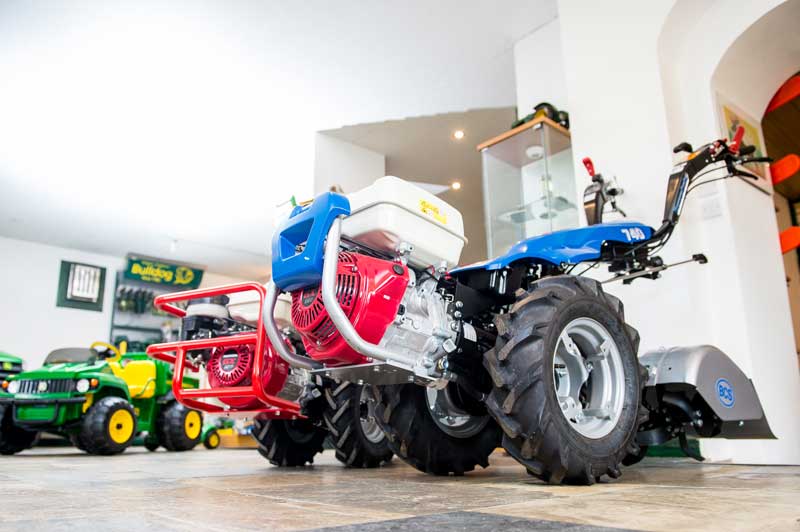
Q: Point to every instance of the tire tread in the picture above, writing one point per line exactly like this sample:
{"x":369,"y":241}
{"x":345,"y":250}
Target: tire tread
{"x":276,"y":444}
{"x":342,"y":418}
{"x":517,"y":367}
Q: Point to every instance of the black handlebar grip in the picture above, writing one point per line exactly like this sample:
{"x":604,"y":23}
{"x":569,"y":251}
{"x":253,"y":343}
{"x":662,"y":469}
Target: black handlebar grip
{"x":757,"y":160}
{"x":683,"y":146}
{"x":747,"y":150}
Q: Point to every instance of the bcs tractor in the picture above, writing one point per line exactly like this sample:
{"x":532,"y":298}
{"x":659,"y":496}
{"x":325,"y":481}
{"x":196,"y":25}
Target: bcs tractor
{"x":517,"y":350}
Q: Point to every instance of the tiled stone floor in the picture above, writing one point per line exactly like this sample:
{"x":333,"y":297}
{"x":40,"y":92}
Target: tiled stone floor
{"x":234,"y":490}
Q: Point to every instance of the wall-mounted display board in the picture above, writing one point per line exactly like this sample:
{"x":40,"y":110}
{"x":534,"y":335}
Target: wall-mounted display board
{"x":81,"y":286}
{"x":134,"y":317}
{"x":158,"y":272}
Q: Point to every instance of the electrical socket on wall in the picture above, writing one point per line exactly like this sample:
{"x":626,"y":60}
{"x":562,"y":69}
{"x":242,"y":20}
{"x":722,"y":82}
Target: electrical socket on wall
{"x":711,"y":207}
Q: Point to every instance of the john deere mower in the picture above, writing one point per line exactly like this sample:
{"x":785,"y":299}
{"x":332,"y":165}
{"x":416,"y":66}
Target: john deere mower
{"x":100,"y":398}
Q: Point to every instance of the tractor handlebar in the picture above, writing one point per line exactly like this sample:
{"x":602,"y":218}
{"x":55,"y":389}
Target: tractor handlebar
{"x":687,"y":176}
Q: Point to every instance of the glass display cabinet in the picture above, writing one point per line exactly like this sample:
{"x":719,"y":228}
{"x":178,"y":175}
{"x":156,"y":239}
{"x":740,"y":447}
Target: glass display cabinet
{"x":528,"y":184}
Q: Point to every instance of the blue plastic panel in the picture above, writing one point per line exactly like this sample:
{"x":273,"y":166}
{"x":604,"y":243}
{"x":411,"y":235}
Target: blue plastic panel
{"x":294,"y":267}
{"x":570,"y":246}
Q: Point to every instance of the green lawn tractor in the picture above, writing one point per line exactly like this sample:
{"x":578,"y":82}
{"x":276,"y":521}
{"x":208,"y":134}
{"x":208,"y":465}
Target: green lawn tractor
{"x":9,"y":365}
{"x":100,"y":398}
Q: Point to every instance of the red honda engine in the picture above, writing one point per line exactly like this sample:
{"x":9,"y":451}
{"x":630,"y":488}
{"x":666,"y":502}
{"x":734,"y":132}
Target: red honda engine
{"x":232,"y":366}
{"x":369,"y":290}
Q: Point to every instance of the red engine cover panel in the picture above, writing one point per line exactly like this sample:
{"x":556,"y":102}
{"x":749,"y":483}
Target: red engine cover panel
{"x":369,"y":291}
{"x":232,"y":366}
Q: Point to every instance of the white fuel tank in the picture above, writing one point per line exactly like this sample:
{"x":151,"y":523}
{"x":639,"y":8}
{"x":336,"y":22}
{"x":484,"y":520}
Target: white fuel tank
{"x":392,"y":211}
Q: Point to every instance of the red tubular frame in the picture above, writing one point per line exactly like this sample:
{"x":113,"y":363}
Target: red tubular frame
{"x":175,"y":353}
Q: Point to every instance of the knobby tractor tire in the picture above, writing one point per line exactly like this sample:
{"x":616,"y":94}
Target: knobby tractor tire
{"x":344,"y":411}
{"x":404,"y":415}
{"x":524,"y":400}
{"x":14,"y":439}
{"x":179,"y":428}
{"x":108,"y":427}
{"x":288,"y":443}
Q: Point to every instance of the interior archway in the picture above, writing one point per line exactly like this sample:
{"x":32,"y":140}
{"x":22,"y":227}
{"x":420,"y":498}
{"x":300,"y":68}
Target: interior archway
{"x":711,"y":55}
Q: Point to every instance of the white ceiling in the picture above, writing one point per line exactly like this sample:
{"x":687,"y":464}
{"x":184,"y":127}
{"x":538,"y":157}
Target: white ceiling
{"x":174,"y":128}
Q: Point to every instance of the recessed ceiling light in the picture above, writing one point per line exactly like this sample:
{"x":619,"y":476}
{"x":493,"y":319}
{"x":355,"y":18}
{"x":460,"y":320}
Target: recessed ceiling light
{"x":458,"y":134}
{"x":456,"y":185}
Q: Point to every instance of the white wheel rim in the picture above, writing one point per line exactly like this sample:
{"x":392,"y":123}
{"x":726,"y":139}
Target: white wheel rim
{"x":451,"y":419}
{"x":588,"y":377}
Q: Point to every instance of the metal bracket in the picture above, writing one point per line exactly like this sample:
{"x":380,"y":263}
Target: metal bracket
{"x":653,"y":271}
{"x":380,"y":373}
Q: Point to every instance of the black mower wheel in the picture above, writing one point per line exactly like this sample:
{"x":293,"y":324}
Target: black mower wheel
{"x":75,"y":440}
{"x":406,"y":414}
{"x":288,"y":443}
{"x":108,"y":427}
{"x":212,"y":439}
{"x":151,"y":444}
{"x":356,"y":436}
{"x":567,"y":381}
{"x":14,"y":439}
{"x":179,"y":427}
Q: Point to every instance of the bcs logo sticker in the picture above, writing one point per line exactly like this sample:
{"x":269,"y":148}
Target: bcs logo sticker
{"x":725,"y":393}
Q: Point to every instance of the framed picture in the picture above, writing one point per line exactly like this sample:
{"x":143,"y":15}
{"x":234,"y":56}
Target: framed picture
{"x":731,"y":117}
{"x":81,"y":286}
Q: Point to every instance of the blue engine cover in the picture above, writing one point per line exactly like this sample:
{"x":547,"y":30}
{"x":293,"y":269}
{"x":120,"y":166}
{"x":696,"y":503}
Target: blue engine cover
{"x":298,"y":244}
{"x":569,"y":246}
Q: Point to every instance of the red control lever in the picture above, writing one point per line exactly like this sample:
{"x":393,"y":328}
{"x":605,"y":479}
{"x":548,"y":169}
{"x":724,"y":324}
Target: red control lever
{"x":737,"y":140}
{"x":587,"y":162}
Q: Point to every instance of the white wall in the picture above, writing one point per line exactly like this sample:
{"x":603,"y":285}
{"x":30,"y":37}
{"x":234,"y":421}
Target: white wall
{"x":626,"y":114}
{"x":211,"y":279}
{"x":30,"y":323}
{"x":539,"y":69}
{"x":337,"y":162}
{"x":618,"y":119}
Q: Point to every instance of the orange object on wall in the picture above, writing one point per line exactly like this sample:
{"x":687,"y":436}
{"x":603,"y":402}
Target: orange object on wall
{"x":790,"y":239}
{"x":784,"y":168}
{"x":788,"y":92}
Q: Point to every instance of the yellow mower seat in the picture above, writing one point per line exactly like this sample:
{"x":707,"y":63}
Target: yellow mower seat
{"x":140,"y":376}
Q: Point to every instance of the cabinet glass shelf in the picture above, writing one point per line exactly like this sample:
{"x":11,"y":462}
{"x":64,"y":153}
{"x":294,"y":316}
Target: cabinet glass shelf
{"x":528,"y":184}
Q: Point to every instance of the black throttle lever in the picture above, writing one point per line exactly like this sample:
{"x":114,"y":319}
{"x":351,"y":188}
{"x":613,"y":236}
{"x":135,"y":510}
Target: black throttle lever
{"x":743,"y":173}
{"x":756,"y":160}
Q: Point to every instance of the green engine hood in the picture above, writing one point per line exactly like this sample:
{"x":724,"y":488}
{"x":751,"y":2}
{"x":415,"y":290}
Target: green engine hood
{"x":5,"y":357}
{"x":67,"y":370}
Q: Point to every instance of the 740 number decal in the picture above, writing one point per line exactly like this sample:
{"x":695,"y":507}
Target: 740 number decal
{"x":633,"y":233}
